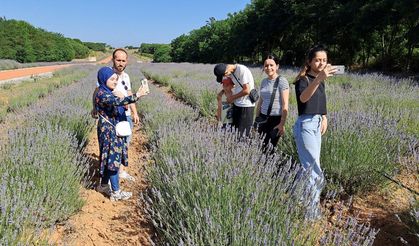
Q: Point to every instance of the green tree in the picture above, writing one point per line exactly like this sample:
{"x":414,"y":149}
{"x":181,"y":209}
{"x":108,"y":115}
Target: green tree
{"x":22,"y":42}
{"x":162,"y":54}
{"x":380,"y":34}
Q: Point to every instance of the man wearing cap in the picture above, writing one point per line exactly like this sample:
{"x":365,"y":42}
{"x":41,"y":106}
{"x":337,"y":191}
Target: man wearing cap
{"x":243,"y":108}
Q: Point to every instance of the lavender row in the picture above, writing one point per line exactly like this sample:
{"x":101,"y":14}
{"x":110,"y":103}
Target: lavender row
{"x":207,"y":187}
{"x":393,"y":99}
{"x":42,"y":163}
{"x":361,"y":149}
{"x":18,"y":96}
{"x":7,"y":64}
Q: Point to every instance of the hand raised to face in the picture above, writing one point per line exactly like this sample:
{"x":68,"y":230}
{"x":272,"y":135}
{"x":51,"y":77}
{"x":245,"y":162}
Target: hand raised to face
{"x":328,"y":71}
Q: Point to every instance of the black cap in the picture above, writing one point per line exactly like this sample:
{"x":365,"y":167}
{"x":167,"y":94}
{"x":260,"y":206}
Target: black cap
{"x":219,"y":71}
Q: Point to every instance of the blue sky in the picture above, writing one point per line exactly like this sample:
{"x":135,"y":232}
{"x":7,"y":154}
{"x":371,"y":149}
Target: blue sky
{"x":119,"y":23}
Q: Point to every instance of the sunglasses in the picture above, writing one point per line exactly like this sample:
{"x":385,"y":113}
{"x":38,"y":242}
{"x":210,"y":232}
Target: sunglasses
{"x":125,"y":87}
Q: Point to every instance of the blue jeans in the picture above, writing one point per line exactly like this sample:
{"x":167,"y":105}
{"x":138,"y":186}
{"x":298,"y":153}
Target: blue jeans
{"x":128,"y":139}
{"x":308,"y":139}
{"x":113,"y":176}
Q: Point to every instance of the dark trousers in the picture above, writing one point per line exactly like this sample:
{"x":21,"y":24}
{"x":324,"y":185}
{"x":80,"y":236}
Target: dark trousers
{"x":243,"y":119}
{"x":267,"y":129}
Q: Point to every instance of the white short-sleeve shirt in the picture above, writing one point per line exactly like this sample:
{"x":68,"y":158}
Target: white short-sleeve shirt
{"x":245,"y":76}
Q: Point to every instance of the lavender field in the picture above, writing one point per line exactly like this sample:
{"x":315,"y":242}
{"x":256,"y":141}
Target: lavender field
{"x":373,"y":120}
{"x":373,"y":131}
{"x":205,"y":186}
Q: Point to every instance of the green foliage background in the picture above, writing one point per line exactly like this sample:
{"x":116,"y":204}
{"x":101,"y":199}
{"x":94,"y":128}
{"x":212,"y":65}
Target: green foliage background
{"x":380,"y":35}
{"x":24,"y":43}
{"x":159,"y":52}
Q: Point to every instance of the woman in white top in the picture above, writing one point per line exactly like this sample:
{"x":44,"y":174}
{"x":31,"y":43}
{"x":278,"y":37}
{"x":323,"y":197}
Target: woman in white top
{"x":276,"y":114}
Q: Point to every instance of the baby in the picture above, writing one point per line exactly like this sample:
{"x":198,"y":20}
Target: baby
{"x":225,"y":109}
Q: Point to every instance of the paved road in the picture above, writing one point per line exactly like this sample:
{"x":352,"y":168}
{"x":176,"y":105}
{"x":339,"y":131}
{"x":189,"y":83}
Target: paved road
{"x":8,"y":75}
{"x":23,"y":72}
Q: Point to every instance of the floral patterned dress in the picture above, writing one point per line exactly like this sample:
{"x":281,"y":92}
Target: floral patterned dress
{"x":113,"y":149}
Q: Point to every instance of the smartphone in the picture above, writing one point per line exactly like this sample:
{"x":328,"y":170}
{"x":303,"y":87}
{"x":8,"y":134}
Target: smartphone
{"x":144,"y":83}
{"x":340,"y":69}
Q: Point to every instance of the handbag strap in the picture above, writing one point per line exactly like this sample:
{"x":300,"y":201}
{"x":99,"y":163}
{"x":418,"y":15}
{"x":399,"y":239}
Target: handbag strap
{"x":273,"y":95}
{"x":238,"y":81}
{"x":106,"y":120}
{"x":273,"y":91}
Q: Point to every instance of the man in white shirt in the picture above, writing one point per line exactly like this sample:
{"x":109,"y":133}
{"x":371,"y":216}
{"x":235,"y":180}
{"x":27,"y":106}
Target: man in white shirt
{"x":120,"y":60}
{"x":243,"y":107}
{"x":123,"y":89}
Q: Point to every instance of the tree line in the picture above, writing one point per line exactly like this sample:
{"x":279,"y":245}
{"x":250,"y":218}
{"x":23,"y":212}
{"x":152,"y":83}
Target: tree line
{"x":382,"y":35}
{"x":22,"y":42}
{"x":158,"y":52}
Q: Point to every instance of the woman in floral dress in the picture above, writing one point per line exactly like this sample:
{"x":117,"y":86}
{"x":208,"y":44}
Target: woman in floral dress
{"x":113,"y":149}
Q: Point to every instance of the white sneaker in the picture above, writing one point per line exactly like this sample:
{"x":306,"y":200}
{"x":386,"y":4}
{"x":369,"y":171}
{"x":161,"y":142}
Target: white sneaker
{"x":104,"y":189}
{"x":125,"y":175}
{"x":120,"y":195}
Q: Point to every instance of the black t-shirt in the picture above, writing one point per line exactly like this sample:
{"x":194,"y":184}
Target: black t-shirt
{"x":317,"y":103}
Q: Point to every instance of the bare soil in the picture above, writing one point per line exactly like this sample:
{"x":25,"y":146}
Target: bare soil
{"x":102,"y":222}
{"x":388,"y":209}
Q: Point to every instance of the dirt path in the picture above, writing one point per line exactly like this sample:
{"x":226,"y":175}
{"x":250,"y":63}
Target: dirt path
{"x":387,"y":210}
{"x":104,"y":61}
{"x":102,"y":222}
{"x":32,"y":71}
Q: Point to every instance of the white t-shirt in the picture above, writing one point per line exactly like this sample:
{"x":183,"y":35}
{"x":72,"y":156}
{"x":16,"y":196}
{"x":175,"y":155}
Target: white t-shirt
{"x":123,"y":82}
{"x":245,"y":76}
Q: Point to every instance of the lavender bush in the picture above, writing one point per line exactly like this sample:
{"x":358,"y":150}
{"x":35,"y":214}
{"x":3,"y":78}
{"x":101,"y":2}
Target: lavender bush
{"x":42,"y":163}
{"x":196,"y":87}
{"x":42,"y":172}
{"x":394,"y":99}
{"x":353,"y":144}
{"x":6,"y":64}
{"x":212,"y":189}
{"x":360,"y":148}
{"x":209,"y":188}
